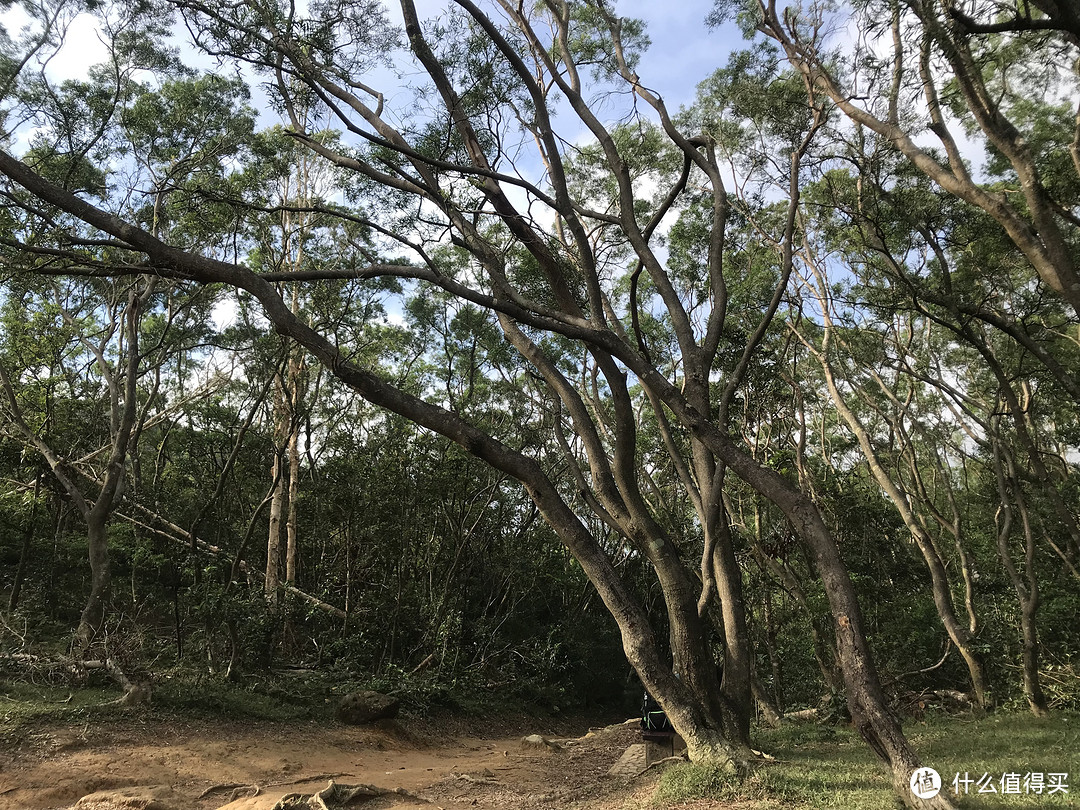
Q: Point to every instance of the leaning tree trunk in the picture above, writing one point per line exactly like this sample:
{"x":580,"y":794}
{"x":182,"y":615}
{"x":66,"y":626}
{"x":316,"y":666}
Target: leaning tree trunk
{"x":876,"y":724}
{"x":898,"y":496}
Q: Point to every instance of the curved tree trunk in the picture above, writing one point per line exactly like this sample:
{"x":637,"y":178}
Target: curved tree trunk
{"x":870,"y":713}
{"x":939,"y":582}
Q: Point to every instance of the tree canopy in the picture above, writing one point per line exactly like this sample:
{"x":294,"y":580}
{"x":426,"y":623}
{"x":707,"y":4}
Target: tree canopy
{"x":459,"y":315}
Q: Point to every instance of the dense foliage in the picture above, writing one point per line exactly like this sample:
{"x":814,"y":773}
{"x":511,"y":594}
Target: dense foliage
{"x":357,"y":355}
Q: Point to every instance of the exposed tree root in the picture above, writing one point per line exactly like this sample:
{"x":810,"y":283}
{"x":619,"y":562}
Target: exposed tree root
{"x":222,"y":787}
{"x":338,"y":797}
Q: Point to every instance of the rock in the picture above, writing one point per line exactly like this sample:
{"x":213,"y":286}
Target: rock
{"x":357,"y":708}
{"x":133,"y":798}
{"x":631,"y":764}
{"x":537,"y":743}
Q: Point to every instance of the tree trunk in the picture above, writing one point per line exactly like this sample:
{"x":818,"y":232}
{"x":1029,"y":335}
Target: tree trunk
{"x":873,"y":720}
{"x":1032,"y":684}
{"x":939,"y":582}
{"x":273,"y":541}
{"x":291,"y":522}
{"x":24,"y":551}
{"x":93,"y":613}
{"x":693,"y":661}
{"x":735,"y":687}
{"x":1026,"y":586}
{"x":770,"y":713}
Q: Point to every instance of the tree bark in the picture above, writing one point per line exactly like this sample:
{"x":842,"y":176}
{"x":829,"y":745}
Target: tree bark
{"x":1026,"y":586}
{"x":736,"y":685}
{"x":93,"y":614}
{"x":291,"y":526}
{"x":278,"y":502}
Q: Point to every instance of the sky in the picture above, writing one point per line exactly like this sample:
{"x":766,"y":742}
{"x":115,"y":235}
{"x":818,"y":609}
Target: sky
{"x":684,"y":50}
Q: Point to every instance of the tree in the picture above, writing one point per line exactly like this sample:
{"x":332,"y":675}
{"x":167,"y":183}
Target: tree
{"x":606,"y":327}
{"x":119,"y":373}
{"x":962,"y":63}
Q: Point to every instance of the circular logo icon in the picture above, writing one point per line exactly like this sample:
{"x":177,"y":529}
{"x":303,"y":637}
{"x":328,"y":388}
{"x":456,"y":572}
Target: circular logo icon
{"x":925,"y":783}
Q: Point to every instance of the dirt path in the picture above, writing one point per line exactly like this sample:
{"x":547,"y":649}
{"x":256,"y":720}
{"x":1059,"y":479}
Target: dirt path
{"x":249,"y":767}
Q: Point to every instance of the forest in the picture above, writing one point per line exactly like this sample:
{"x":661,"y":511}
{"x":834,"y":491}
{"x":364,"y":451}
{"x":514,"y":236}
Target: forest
{"x":437,"y":350}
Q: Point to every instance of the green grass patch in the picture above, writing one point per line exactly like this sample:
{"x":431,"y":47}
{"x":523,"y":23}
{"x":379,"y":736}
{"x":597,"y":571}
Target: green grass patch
{"x":23,"y":703}
{"x":26,"y":706}
{"x":1001,"y":744}
{"x":690,"y":780}
{"x":830,"y":766}
{"x":823,"y":766}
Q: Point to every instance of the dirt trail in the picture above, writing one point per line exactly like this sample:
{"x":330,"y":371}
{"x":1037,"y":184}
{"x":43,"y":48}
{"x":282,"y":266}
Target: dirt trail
{"x":249,"y":767}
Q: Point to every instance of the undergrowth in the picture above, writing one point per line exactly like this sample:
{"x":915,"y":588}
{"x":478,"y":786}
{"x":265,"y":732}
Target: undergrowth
{"x":288,"y":697}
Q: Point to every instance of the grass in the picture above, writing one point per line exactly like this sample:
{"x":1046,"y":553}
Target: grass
{"x":830,"y":767}
{"x":1004,"y":743}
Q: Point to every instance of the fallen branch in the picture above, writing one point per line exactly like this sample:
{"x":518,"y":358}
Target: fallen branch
{"x":135,"y":691}
{"x":476,"y":780}
{"x":924,"y":670}
{"x":423,"y":664}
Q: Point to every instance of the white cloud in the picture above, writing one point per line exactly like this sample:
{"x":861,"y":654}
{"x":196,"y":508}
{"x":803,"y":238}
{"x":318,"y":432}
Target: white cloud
{"x":80,"y":43}
{"x":83,"y":46}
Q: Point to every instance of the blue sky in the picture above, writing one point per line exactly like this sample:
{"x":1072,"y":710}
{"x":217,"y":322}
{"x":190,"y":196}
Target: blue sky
{"x":684,"y":49}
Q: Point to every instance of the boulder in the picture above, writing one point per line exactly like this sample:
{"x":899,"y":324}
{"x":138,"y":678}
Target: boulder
{"x":534,"y":742}
{"x":357,"y":708}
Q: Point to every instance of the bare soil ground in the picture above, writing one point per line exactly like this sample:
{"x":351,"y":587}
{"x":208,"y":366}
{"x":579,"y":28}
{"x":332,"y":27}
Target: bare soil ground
{"x":156,"y":764}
